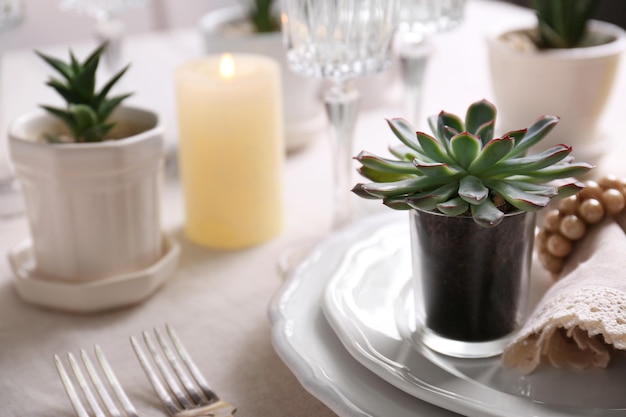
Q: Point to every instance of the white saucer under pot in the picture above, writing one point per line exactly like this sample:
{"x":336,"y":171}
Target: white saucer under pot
{"x":118,"y":291}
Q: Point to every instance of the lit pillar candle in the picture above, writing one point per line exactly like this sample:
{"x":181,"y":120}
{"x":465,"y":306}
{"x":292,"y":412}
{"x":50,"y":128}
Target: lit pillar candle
{"x":231,"y":149}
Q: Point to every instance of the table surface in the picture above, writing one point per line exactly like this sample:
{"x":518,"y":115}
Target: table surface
{"x":217,"y":300}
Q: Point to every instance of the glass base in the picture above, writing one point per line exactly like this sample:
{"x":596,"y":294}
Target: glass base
{"x":459,"y":348}
{"x":11,"y":202}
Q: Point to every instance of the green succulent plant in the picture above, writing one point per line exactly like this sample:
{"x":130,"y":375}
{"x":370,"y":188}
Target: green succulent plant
{"x":464,"y":170}
{"x":564,"y":23}
{"x":87,"y":111}
{"x":263,"y":17}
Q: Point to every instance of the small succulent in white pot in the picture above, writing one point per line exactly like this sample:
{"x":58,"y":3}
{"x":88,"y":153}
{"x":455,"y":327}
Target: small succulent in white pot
{"x":90,"y":173}
{"x":87,"y":111}
{"x":564,"y":64}
{"x":471,"y":198}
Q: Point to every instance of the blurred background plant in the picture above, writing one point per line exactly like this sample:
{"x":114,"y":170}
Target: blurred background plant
{"x":612,"y":11}
{"x":46,"y":24}
{"x":86,"y":113}
{"x":564,"y":23}
{"x":263,"y":15}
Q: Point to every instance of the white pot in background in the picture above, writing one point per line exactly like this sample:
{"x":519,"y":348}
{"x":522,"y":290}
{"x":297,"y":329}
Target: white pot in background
{"x":574,"y":84}
{"x":93,"y":208}
{"x":224,"y":30}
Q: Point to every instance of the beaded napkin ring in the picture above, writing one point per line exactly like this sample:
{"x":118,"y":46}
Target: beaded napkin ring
{"x":568,"y":223}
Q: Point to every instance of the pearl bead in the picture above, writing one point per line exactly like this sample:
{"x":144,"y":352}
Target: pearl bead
{"x":555,"y":240}
{"x":591,"y":210}
{"x":613,"y":201}
{"x":568,"y":205}
{"x":558,"y":246}
{"x":591,"y":190}
{"x":572,"y":227}
{"x":552,"y":220}
{"x":610,"y":181}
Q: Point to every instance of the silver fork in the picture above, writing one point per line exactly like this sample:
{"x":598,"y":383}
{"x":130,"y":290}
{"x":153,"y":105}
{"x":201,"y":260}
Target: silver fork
{"x":197,"y":399}
{"x":105,"y":398}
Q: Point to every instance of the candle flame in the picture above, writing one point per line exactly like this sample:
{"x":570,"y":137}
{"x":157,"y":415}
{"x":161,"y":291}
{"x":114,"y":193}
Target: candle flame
{"x":227,"y":66}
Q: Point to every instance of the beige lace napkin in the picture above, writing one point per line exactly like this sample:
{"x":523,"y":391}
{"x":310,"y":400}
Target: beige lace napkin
{"x":582,"y":317}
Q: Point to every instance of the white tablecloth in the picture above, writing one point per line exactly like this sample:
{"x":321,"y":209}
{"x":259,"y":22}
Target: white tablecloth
{"x":217,"y":300}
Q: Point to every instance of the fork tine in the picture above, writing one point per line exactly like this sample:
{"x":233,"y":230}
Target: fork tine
{"x":212,"y":406}
{"x":190,"y":364}
{"x":115,"y":384}
{"x":102,"y":392}
{"x":160,"y":389}
{"x":69,"y":388}
{"x":82,"y":382}
{"x":173,"y":385}
{"x":178,"y":369}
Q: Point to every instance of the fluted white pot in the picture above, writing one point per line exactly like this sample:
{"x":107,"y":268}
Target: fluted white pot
{"x":93,"y":208}
{"x":574,"y":84}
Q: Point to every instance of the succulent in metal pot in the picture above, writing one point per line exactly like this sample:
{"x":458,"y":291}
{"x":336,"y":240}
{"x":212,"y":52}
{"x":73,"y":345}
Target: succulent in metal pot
{"x":464,"y":170}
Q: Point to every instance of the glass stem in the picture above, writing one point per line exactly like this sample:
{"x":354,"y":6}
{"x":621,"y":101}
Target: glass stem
{"x":413,"y":59}
{"x":342,"y":107}
{"x":110,"y":28}
{"x":11,"y":202}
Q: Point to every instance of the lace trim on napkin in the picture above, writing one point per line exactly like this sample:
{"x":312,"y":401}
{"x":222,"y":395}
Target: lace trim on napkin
{"x":582,"y":317}
{"x":573,"y":329}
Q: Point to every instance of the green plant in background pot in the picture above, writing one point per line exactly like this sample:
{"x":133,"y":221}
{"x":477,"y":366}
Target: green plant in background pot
{"x":90,"y":173}
{"x":564,"y":64}
{"x":86,"y":112}
{"x":565,"y":24}
{"x":471,"y":198}
{"x":264,"y":16}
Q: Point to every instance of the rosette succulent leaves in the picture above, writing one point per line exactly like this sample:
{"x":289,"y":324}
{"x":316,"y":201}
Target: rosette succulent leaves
{"x":464,"y":170}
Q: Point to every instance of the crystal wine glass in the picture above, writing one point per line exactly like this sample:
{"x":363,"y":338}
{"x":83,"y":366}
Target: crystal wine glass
{"x":109,"y":25}
{"x":418,"y":21}
{"x":11,"y":14}
{"x":339,"y":40}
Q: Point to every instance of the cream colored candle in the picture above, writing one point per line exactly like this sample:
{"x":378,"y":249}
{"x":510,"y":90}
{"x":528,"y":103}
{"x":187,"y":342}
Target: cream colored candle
{"x":231,"y":149}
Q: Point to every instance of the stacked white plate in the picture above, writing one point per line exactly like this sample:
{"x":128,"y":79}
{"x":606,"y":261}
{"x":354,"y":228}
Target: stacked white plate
{"x":343,"y":324}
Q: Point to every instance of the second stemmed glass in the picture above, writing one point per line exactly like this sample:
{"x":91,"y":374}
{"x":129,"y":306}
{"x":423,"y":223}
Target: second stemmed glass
{"x":109,"y":26}
{"x":339,"y":40}
{"x":418,"y":21}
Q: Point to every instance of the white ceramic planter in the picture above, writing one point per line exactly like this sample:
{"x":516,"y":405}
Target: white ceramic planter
{"x":303,"y":111}
{"x":93,"y":208}
{"x":574,"y":84}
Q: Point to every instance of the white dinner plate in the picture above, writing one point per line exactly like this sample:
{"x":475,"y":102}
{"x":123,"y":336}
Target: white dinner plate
{"x":309,"y":347}
{"x":369,"y":303}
